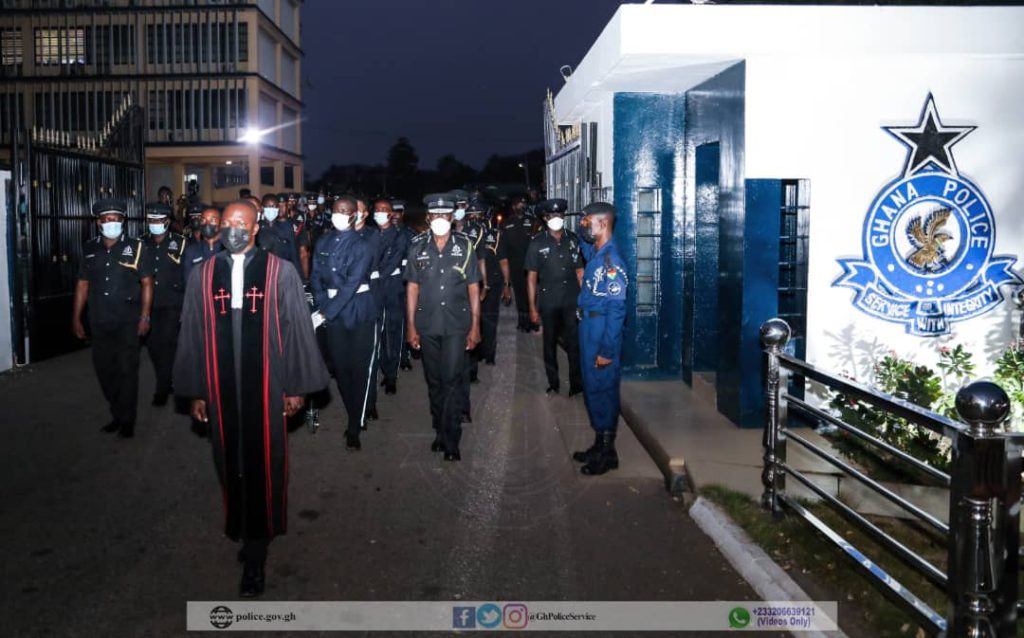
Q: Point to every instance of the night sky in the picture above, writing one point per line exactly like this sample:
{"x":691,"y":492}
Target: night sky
{"x":466,"y":77}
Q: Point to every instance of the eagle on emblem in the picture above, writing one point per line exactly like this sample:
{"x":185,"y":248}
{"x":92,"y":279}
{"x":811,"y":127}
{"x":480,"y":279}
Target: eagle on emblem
{"x":927,"y":236}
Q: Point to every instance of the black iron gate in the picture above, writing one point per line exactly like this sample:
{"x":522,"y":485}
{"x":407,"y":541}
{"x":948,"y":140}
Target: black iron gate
{"x":57,"y":177}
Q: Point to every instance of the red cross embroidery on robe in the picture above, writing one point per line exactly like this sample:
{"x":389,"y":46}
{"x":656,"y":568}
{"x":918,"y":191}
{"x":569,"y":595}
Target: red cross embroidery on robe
{"x":254,"y":294}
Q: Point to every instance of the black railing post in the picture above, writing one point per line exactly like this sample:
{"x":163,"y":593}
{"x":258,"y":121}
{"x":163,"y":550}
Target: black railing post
{"x":984,"y":517}
{"x":775,"y":334}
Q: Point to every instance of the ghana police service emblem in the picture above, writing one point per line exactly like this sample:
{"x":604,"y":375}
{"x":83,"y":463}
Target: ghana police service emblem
{"x":928,"y":239}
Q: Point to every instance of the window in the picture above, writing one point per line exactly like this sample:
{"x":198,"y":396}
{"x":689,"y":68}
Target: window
{"x":289,"y":176}
{"x":113,"y":44}
{"x":794,"y":238}
{"x":267,"y":175}
{"x":194,"y":110}
{"x":234,"y":175}
{"x":648,"y":251}
{"x":10,"y":47}
{"x":290,"y":130}
{"x":195,"y":43}
{"x":60,"y":46}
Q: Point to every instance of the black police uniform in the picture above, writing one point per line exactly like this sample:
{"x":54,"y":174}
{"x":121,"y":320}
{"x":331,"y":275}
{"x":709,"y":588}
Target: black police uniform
{"x":196,"y":252}
{"x":394,"y":245}
{"x":168,"y":295}
{"x":474,"y":230}
{"x":493,"y":251}
{"x":115,"y":306}
{"x":279,"y":237}
{"x":371,"y":236}
{"x":556,"y":261}
{"x":443,"y":320}
{"x":341,"y":288}
{"x":517,"y":232}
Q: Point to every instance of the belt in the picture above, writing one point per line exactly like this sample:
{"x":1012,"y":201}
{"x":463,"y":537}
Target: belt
{"x":581,"y":313}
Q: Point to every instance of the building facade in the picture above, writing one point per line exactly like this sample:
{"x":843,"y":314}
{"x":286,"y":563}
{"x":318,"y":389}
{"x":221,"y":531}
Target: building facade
{"x":207,"y":73}
{"x":844,"y":167}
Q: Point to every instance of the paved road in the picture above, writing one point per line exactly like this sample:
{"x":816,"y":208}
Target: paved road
{"x":110,"y":537}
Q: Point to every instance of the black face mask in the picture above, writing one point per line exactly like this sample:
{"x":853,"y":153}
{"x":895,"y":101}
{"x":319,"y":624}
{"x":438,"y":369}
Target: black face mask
{"x":195,"y":222}
{"x":235,"y":239}
{"x":209,"y":231}
{"x":587,"y":234}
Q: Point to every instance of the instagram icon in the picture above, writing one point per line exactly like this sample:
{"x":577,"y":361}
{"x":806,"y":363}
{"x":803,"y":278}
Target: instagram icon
{"x":515,"y":616}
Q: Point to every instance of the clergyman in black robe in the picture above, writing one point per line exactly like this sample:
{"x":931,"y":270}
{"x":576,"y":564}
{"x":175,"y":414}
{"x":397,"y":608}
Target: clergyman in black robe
{"x":247,"y":355}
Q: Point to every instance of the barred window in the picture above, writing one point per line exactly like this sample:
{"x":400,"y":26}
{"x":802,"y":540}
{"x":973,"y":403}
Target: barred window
{"x":10,"y":47}
{"x":60,"y":46}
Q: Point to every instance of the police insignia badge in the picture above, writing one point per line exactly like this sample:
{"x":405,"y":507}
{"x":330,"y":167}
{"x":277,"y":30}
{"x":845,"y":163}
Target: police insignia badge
{"x":611,"y":273}
{"x":127,"y":252}
{"x":614,"y":288}
{"x":928,"y":239}
{"x":456,"y":251}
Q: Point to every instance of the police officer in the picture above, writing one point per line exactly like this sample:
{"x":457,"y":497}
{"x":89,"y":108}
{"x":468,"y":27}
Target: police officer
{"x":277,"y":233}
{"x":518,"y":231}
{"x":469,"y":226}
{"x":443,"y":314}
{"x":208,"y":244}
{"x":398,"y":219}
{"x":115,"y":278}
{"x":394,"y":244}
{"x":194,"y":214}
{"x":602,"y":304}
{"x":167,"y":250}
{"x":372,"y":236}
{"x":554,"y":269}
{"x":341,"y":288}
{"x":492,"y":282}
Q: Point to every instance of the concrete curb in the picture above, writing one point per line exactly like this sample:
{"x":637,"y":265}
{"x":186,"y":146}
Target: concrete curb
{"x":769,"y":580}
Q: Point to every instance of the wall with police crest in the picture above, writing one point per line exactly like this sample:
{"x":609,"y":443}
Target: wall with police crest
{"x":917,"y":184}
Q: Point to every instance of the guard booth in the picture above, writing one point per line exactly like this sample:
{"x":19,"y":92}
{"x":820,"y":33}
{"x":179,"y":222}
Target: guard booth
{"x":56,"y":177}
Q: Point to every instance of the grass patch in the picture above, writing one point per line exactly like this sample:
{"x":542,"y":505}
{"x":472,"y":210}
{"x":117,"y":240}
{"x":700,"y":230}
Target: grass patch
{"x":808,"y":557}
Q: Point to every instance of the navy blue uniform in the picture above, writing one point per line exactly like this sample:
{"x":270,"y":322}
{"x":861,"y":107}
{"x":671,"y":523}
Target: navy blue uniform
{"x":196,"y":252}
{"x":556,"y":261}
{"x":517,"y":232}
{"x":115,"y":305}
{"x":280,"y":238}
{"x":602,"y":304}
{"x":341,"y":288}
{"x":168,"y":295}
{"x":371,"y":236}
{"x":493,"y":251}
{"x":394,"y":245}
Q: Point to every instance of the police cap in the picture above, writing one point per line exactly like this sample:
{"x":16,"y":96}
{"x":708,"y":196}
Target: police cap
{"x":398,"y":204}
{"x":439,"y":203}
{"x":459,"y":195}
{"x":556,"y":206}
{"x":476,"y":206}
{"x":195,"y":209}
{"x":109,"y":205}
{"x":158,"y":210}
{"x":599,"y":208}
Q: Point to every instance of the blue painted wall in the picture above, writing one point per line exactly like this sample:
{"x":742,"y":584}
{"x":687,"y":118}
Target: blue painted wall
{"x":649,"y":152}
{"x":700,"y":327}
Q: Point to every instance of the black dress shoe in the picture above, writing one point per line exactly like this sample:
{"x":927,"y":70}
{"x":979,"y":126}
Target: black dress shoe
{"x":160,"y":399}
{"x":436,"y":445}
{"x":372,"y":415}
{"x":574,"y":391}
{"x":352,"y":442}
{"x":405,"y":366}
{"x":390,"y":387}
{"x":127,"y":431}
{"x":552,"y":389}
{"x":489,"y":362}
{"x":113,"y":426}
{"x":452,"y":456}
{"x":474,"y":379}
{"x":252,"y":581}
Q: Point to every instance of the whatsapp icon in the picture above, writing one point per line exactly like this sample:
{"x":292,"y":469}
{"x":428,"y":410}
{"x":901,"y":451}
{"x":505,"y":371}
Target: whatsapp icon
{"x":739,"y":618}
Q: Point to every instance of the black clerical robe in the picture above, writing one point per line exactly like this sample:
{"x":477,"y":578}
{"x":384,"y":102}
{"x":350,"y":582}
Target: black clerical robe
{"x":243,"y":362}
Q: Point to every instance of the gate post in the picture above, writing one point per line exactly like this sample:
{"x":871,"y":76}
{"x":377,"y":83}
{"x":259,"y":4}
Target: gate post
{"x":984,"y":504}
{"x":775,"y":334}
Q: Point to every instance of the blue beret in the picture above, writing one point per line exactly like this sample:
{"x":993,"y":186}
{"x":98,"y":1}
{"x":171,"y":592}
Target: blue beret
{"x":109,"y":205}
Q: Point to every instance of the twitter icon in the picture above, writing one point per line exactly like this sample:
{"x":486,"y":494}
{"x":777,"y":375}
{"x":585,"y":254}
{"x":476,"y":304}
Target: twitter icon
{"x":488,"y":616}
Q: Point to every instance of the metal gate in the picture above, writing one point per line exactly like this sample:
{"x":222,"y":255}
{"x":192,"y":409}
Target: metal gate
{"x":58,"y":176}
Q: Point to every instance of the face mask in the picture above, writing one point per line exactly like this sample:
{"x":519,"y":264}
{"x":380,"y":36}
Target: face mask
{"x":459,"y":214}
{"x":235,"y":239}
{"x":381,"y":218}
{"x":111,"y":230}
{"x":157,"y":229}
{"x":311,"y":206}
{"x":320,"y":200}
{"x":556,"y":223}
{"x":269,"y":213}
{"x":341,"y":221}
{"x":440,"y":226}
{"x":195,"y":222}
{"x":587,"y":234}
{"x":209,"y":231}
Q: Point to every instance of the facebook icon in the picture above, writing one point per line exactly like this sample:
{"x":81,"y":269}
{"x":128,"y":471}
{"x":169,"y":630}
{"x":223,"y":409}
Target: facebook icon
{"x":464,"y":618}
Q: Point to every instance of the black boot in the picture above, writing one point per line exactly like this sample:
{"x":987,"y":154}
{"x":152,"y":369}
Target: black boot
{"x":127,"y":430}
{"x":605,"y":458}
{"x":390,"y":386}
{"x":113,"y":426}
{"x":436,"y":445}
{"x":583,"y":456}
{"x":352,"y":442}
{"x":252,"y":580}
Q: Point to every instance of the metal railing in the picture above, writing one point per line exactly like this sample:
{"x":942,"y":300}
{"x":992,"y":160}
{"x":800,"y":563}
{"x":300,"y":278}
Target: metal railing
{"x":984,"y":481}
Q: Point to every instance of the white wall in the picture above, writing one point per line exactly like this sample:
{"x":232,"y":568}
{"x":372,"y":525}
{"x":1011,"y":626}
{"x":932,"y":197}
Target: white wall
{"x":819,"y":118}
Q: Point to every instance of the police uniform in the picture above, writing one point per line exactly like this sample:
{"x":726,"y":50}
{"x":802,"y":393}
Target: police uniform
{"x":602,"y":304}
{"x":372,"y":237}
{"x":341,"y":288}
{"x":475,"y":232}
{"x":398,"y":205}
{"x":167,"y":252}
{"x":517,"y":231}
{"x":279,"y":237}
{"x":443,"y":320}
{"x":394,"y":245}
{"x":493,"y":251}
{"x":115,"y":275}
{"x":556,"y":261}
{"x":196,"y":252}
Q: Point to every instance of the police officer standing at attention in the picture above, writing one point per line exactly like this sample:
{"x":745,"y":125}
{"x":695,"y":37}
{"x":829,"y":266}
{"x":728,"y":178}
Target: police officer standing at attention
{"x":554,"y":270}
{"x":443,"y":313}
{"x":394,"y":245}
{"x":208,"y":244}
{"x":167,"y":250}
{"x":277,"y":234}
{"x":517,"y":232}
{"x":341,"y":288}
{"x":602,"y":303}
{"x":115,"y":278}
